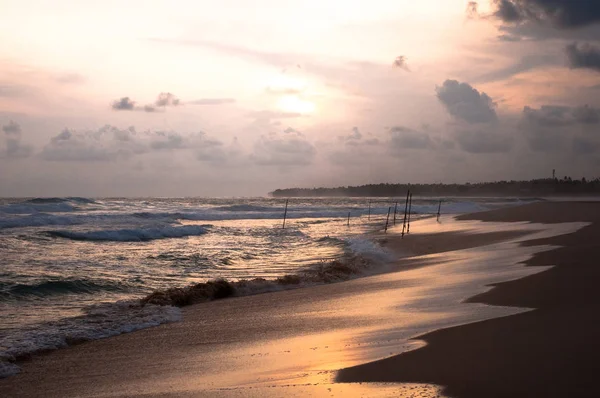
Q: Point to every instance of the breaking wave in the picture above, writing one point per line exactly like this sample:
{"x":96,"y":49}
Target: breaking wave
{"x":46,"y":205}
{"x":364,"y":257}
{"x":57,"y":287}
{"x":97,"y":322}
{"x":133,"y":235}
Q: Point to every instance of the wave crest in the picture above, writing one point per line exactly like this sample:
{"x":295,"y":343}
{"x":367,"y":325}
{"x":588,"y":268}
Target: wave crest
{"x":133,"y":235}
{"x":326,"y":272}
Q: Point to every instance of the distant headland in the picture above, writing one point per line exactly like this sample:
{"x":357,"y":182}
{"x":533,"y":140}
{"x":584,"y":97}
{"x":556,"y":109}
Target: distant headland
{"x":539,"y":187}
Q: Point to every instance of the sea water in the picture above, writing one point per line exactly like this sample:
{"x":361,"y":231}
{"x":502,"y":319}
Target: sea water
{"x":74,"y":269}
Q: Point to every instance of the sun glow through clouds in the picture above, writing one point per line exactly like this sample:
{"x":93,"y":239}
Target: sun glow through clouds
{"x":293,"y":103}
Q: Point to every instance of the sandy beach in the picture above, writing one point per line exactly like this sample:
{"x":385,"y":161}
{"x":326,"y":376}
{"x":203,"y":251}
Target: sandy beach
{"x":480,"y":342}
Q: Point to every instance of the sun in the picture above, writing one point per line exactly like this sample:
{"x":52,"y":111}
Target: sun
{"x":295,"y":104}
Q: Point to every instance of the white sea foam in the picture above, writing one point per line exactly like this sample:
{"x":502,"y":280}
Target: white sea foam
{"x":98,"y":322}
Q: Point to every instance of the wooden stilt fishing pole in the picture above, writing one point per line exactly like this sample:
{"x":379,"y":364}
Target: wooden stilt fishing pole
{"x":409,"y":211}
{"x":405,"y":211}
{"x":395,"y":211}
{"x":285,"y":213}
{"x":439,"y":209}
{"x":387,"y":221}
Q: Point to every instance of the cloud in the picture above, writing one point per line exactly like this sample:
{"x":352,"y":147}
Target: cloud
{"x":356,"y":138}
{"x":400,"y":62}
{"x":484,"y":141}
{"x":110,"y":143}
{"x":466,"y":103}
{"x":217,"y":153}
{"x":551,"y":128}
{"x":13,"y":146}
{"x":562,"y":14}
{"x":123,"y":104}
{"x":351,"y":138}
{"x":211,"y":101}
{"x":288,"y":148}
{"x":12,"y":128}
{"x":509,"y":38}
{"x":88,"y":146}
{"x":162,"y":101}
{"x":166,"y":99}
{"x":525,"y":64}
{"x":583,"y":56}
{"x":583,"y":146}
{"x":406,"y":138}
{"x":556,"y":116}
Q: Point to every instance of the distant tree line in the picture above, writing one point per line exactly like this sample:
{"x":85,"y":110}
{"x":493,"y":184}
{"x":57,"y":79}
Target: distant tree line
{"x":539,"y":187}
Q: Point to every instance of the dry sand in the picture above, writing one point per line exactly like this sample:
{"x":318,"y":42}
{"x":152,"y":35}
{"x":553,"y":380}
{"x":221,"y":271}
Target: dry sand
{"x":292,"y":343}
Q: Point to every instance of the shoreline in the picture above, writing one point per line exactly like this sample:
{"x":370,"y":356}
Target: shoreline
{"x":549,"y":351}
{"x":210,"y":325}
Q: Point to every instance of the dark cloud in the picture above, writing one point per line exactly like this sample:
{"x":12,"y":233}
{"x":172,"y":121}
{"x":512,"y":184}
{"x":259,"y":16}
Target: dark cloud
{"x":289,"y":148}
{"x":562,"y":14}
{"x":551,"y":128}
{"x":166,"y":99}
{"x":406,"y":138}
{"x":557,"y":116}
{"x":583,"y":146}
{"x":124,"y":104}
{"x":508,"y":11}
{"x":483,"y":141}
{"x":14,"y":147}
{"x":583,"y":56}
{"x":530,"y":30}
{"x":466,"y":103}
{"x":401,"y":62}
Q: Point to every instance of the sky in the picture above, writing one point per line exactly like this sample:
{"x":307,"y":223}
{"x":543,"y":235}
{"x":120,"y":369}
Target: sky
{"x":238,"y":98}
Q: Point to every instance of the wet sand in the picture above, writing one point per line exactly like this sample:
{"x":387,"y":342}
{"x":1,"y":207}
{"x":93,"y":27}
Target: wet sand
{"x":292,"y":343}
{"x":552,"y":351}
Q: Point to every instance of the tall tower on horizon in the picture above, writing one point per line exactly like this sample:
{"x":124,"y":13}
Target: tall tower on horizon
{"x":553,"y":174}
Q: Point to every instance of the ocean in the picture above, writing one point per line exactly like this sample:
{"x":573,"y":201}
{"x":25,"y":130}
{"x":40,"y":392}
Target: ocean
{"x":75,"y":269}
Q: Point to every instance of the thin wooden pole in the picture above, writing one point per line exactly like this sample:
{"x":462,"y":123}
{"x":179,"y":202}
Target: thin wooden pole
{"x":439,"y":209}
{"x":387,"y":221}
{"x":409,"y":211}
{"x":369,"y":210}
{"x":395,"y":211}
{"x":405,"y":211}
{"x":285,"y":213}
{"x":348,"y":218}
